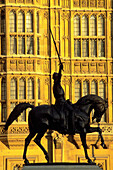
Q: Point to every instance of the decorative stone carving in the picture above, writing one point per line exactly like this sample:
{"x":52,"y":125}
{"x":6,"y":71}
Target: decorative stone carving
{"x":39,"y":66}
{"x":84,"y":3}
{"x":107,"y":129}
{"x":58,"y":142}
{"x":18,"y":130}
{"x":76,"y":67}
{"x":21,"y":65}
{"x":111,"y":68}
{"x":93,"y":68}
{"x":12,"y":1}
{"x":101,"y":67}
{"x":46,"y":66}
{"x":13,"y":65}
{"x":47,"y":81}
{"x":92,"y":3}
{"x":101,"y":165}
{"x":46,"y":14}
{"x":30,"y":65}
{"x":67,"y":67}
{"x":2,"y":65}
{"x":29,"y":1}
{"x":85,"y":68}
{"x":45,"y":2}
{"x":20,"y":1}
{"x":66,"y":81}
{"x":18,"y":166}
{"x":76,"y":3}
{"x":101,"y":3}
{"x":66,"y":15}
{"x":47,"y":101}
{"x":15,"y":130}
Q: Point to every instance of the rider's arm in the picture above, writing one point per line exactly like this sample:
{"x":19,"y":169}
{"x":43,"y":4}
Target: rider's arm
{"x":60,"y":69}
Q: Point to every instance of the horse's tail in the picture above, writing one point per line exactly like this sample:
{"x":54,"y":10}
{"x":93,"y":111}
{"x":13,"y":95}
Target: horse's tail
{"x":16,"y":113}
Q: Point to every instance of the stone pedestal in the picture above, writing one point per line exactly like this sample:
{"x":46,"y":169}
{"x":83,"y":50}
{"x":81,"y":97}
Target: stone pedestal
{"x":61,"y":166}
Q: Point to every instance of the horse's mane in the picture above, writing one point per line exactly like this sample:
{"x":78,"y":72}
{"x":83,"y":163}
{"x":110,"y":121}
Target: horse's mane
{"x":91,"y":98}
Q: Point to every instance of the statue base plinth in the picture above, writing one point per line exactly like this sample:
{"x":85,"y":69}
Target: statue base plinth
{"x":61,"y":166}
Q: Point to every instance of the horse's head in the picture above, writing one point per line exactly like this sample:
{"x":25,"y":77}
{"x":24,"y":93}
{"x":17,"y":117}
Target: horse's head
{"x":100,"y":108}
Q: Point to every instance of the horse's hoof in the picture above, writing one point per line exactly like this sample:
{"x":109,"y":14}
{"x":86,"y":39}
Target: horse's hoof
{"x":103,"y":145}
{"x":90,"y":161}
{"x":47,"y":158}
{"x":26,"y":161}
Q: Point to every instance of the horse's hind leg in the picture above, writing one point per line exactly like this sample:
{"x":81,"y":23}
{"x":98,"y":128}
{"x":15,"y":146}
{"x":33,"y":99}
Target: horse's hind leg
{"x":27,"y":141}
{"x":37,"y":140}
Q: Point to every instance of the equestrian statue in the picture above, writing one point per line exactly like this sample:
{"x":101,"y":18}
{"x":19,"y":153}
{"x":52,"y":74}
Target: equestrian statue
{"x":63,"y":116}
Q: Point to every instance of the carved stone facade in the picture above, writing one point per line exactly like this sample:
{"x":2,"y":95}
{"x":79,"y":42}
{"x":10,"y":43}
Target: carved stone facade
{"x":90,"y":67}
{"x":25,"y":60}
{"x":89,"y":3}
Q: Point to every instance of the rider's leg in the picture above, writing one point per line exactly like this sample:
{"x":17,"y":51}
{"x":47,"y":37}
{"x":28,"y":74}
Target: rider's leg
{"x":72,"y":122}
{"x":71,"y":117}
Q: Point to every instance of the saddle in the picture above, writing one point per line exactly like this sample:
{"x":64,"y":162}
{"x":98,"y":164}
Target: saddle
{"x":61,"y":117}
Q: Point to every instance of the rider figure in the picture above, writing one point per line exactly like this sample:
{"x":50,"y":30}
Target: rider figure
{"x":60,"y":102}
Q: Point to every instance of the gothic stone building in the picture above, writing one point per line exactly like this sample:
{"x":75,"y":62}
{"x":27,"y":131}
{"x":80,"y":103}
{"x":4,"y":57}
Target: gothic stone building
{"x":83,"y":32}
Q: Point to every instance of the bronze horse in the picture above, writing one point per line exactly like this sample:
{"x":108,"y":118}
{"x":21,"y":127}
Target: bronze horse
{"x":45,"y":117}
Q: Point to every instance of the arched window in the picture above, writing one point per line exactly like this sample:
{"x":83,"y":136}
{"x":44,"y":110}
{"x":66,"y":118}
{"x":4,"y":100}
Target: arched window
{"x":29,"y":22}
{"x":21,"y":45}
{"x":22,"y":89}
{"x":38,"y":84}
{"x":12,"y":105}
{"x":22,"y":117}
{"x":38,"y":46}
{"x":85,"y":48}
{"x":3,"y":89}
{"x":77,"y":90}
{"x":13,"y":45}
{"x":21,"y":22}
{"x":92,"y":25}
{"x":93,"y":48}
{"x":37,"y":22}
{"x":3,"y":103}
{"x":77,"y":48}
{"x":3,"y":45}
{"x":2,"y":21}
{"x":102,"y":94}
{"x":12,"y":21}
{"x":85,"y":88}
{"x":101,"y":48}
{"x":76,"y":25}
{"x":84,"y":25}
{"x":102,"y":89}
{"x":13,"y":89}
{"x":30,"y":89}
{"x":30,"y":49}
{"x":93,"y":87}
{"x":101,"y":26}
{"x":3,"y":112}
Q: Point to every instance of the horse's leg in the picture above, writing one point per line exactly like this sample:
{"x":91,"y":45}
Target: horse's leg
{"x":83,"y":139}
{"x":97,"y":129}
{"x":37,"y":140}
{"x":27,"y":141}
